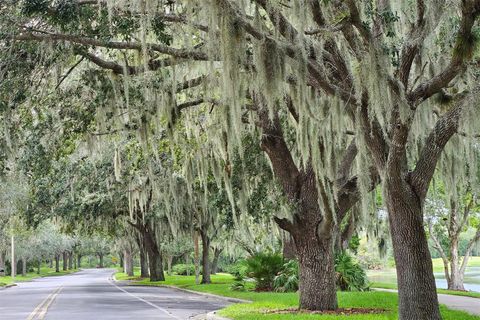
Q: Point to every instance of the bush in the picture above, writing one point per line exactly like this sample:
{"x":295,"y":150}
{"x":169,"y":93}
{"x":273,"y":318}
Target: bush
{"x":182,"y":269}
{"x":350,"y":275}
{"x":287,"y":279}
{"x":263,"y":267}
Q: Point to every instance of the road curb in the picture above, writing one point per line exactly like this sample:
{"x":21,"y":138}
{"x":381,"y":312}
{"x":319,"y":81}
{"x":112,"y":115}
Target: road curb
{"x":205,"y":294}
{"x":210,"y":316}
{"x":8,"y":286}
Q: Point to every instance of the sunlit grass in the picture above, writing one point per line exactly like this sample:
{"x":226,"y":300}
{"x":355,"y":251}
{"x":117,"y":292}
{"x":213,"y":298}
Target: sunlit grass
{"x":263,"y":301}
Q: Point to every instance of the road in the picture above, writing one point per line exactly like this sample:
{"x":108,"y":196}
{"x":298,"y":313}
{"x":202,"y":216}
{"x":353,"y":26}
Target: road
{"x":467,"y":304}
{"x":90,"y":294}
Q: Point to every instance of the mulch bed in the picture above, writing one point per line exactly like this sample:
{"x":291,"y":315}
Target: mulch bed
{"x":340,"y":311}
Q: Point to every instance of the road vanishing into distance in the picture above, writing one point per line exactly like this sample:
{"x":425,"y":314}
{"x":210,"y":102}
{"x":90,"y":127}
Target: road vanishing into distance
{"x":91,"y":294}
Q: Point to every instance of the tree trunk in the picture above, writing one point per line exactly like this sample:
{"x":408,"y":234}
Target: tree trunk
{"x":154,"y":256}
{"x":2,"y":263}
{"x":169,"y":264}
{"x":316,"y":270}
{"x":143,"y":256}
{"x":57,"y":263}
{"x":50,"y":263}
{"x":65,"y":260}
{"x":79,"y":261}
{"x":456,"y":277}
{"x":417,"y":291}
{"x":39,"y":265}
{"x":70,"y":260}
{"x":128,"y":261}
{"x":206,"y":279}
{"x":122,"y":261}
{"x":216,"y":255}
{"x":24,"y":267}
{"x":289,"y":250}
{"x":100,"y":260}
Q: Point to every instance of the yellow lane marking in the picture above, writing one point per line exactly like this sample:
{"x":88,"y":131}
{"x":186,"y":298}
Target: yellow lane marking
{"x":41,"y":309}
{"x":42,"y":314}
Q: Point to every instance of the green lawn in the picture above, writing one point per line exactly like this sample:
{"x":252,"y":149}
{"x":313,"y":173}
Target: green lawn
{"x":44,"y":272}
{"x":263,"y":301}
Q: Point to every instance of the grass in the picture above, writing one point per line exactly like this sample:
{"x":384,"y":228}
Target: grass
{"x":263,"y":301}
{"x":44,"y":272}
{"x":438,"y":264}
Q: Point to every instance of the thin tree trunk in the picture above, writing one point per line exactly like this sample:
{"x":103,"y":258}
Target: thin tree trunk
{"x":206,"y":279}
{"x":196,"y":256}
{"x":143,"y":256}
{"x":39,"y":265}
{"x":216,"y":255}
{"x":122,"y":261}
{"x":417,"y":291}
{"x":456,"y":277}
{"x":169,"y":264}
{"x":128,"y":261}
{"x":100,"y":259}
{"x":57,"y":263}
{"x":50,"y":263}
{"x":24,"y":267}
{"x":2,"y":263}
{"x":79,"y":261}
{"x":70,"y":260}
{"x":65,"y":261}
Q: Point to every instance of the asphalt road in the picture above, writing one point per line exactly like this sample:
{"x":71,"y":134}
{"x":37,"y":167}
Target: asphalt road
{"x":90,"y":294}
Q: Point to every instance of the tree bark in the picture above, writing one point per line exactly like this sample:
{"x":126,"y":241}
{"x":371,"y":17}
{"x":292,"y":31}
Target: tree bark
{"x":128,"y":261}
{"x":143,"y":256}
{"x":24,"y":267}
{"x":65,"y":260}
{"x":417,"y":291}
{"x":216,"y":255}
{"x":2,"y":263}
{"x":154,"y":255}
{"x":57,"y":263}
{"x":50,"y":263}
{"x":39,"y":265}
{"x":316,"y":270}
{"x":79,"y":261}
{"x":169,"y":264}
{"x":70,"y":260}
{"x":288,"y":249}
{"x":100,"y":260}
{"x":206,"y":278}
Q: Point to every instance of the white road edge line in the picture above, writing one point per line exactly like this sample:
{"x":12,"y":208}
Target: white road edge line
{"x":145,"y":301}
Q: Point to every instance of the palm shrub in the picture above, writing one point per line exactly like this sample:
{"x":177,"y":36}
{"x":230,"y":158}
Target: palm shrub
{"x":350,"y":275}
{"x":287,"y":278}
{"x":263,"y":267}
{"x":238,"y":271}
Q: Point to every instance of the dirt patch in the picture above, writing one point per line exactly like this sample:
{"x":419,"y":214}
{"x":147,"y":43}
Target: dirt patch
{"x":340,"y":311}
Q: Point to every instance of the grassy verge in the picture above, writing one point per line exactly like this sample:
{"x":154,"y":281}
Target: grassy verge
{"x":383,"y":285}
{"x":264,"y":301}
{"x":44,"y":272}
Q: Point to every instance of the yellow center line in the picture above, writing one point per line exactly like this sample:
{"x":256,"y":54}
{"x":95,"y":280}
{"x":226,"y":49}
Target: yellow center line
{"x":42,"y":314}
{"x":41,"y":309}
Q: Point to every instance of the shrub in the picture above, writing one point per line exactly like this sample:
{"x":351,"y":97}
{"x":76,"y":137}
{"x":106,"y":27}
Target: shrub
{"x":263,"y":267}
{"x":182,"y":269}
{"x":287,"y":278}
{"x":350,"y":275}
